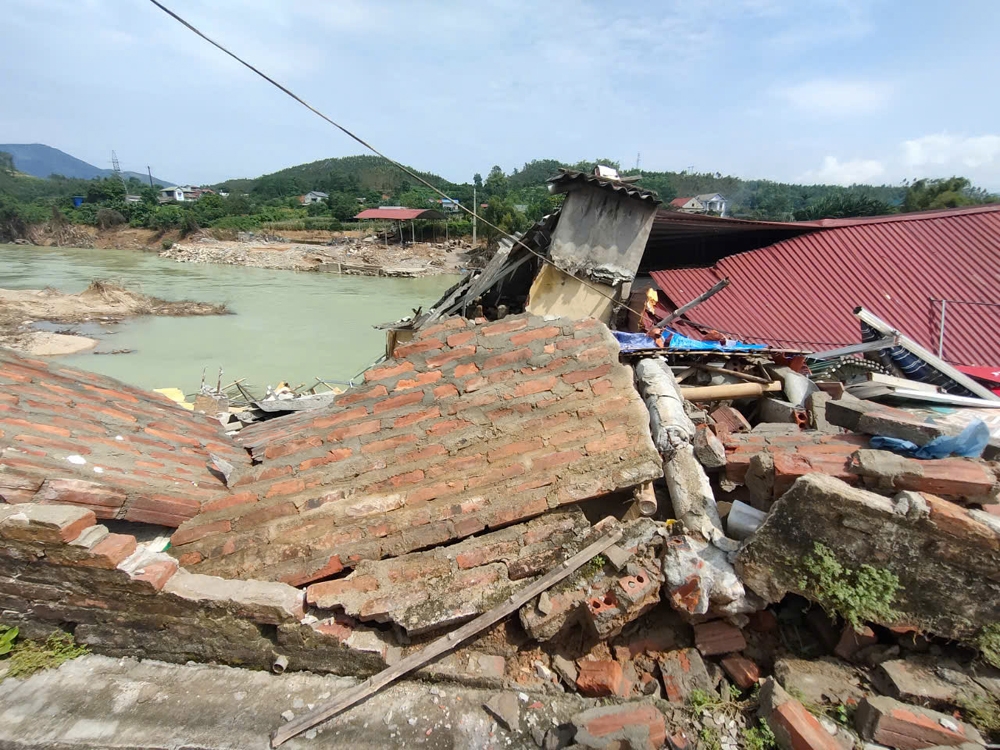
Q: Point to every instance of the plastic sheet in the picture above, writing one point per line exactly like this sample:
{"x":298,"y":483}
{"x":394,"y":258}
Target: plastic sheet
{"x":634,"y":342}
{"x":969,"y":443}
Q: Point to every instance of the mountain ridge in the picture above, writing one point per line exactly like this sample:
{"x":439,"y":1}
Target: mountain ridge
{"x":41,"y":160}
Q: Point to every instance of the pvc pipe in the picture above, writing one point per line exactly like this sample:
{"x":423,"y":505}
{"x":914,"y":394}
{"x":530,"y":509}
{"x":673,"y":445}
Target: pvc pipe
{"x":733,"y":390}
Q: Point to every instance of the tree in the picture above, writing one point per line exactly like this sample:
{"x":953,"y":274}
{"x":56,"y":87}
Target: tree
{"x":477,"y":180}
{"x":842,"y":206}
{"x":496,"y":184}
{"x":6,"y":163}
{"x":928,"y":194}
{"x":319,"y":208}
{"x":342,"y":206}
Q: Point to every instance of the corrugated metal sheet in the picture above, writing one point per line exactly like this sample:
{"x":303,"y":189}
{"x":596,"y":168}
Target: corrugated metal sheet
{"x":801,"y":292}
{"x":399,"y":214}
{"x":569,"y":177}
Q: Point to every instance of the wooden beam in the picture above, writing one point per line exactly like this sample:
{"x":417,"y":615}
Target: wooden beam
{"x":694,"y":303}
{"x":442,"y":645}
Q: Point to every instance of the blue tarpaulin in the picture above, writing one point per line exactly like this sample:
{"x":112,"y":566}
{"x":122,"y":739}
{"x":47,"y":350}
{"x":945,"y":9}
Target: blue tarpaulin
{"x":634,"y":342}
{"x":970,"y":443}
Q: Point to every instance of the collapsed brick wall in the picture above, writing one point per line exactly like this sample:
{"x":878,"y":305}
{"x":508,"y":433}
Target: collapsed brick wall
{"x":470,"y":427}
{"x":59,"y":569}
{"x":136,"y":455}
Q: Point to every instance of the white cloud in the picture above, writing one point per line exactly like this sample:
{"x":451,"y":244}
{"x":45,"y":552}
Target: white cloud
{"x":951,"y":151}
{"x":836,"y":172}
{"x":833,"y":98}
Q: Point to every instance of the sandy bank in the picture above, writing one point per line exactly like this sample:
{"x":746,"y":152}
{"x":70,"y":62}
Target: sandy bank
{"x":100,"y":302}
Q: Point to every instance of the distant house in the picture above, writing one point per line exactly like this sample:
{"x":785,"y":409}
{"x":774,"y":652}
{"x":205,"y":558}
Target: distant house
{"x":449,"y":204}
{"x":171,"y":194}
{"x":313,"y":196}
{"x":183,"y":193}
{"x":706,"y":203}
{"x":133,"y":199}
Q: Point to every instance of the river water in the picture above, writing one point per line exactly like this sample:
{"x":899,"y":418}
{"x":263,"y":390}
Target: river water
{"x":288,"y":325}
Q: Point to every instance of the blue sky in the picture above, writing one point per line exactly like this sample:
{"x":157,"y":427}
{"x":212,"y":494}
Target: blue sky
{"x":831,"y":91}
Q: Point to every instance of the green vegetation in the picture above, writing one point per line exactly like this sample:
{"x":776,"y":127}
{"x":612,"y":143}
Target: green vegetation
{"x":983,"y":712}
{"x":859,"y":596}
{"x":23,"y":658}
{"x":759,"y":737}
{"x":988,"y":643}
{"x":512,"y":201}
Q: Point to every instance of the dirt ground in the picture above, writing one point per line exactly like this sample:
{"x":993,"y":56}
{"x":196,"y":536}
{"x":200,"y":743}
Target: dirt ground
{"x":101,"y":301}
{"x":307,"y":250}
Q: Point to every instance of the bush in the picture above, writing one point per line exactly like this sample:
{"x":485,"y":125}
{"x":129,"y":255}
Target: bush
{"x":237,"y":223}
{"x":108,"y":217}
{"x":166,"y":217}
{"x":167,"y":244}
{"x":189,"y":225}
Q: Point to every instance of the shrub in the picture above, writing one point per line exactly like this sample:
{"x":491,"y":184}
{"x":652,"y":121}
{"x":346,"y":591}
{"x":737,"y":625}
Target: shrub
{"x":859,"y":596}
{"x":167,"y":244}
{"x":237,"y":223}
{"x":108,"y":217}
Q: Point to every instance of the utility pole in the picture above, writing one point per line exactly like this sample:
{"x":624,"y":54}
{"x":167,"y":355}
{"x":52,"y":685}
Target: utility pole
{"x":118,"y":171}
{"x":475,"y":214}
{"x":150,"y":172}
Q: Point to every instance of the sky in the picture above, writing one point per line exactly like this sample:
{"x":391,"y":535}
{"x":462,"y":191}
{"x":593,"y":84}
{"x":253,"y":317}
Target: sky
{"x":831,"y":91}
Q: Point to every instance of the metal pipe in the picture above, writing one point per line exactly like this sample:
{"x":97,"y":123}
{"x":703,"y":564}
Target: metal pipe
{"x":944,"y":306}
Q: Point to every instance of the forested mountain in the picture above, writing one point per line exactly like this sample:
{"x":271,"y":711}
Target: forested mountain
{"x":39,"y":160}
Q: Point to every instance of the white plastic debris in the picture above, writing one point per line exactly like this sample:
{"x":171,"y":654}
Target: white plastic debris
{"x":75,"y":459}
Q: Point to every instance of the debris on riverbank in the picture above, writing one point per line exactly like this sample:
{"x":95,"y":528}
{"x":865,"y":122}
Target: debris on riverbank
{"x":340,"y":255}
{"x":102,"y":302}
{"x":700,"y":543}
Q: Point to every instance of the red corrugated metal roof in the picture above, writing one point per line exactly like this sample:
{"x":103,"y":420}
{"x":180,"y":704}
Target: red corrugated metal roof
{"x":801,"y":292}
{"x":399,"y":214}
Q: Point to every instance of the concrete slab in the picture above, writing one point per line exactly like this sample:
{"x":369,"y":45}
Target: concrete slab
{"x":100,"y":702}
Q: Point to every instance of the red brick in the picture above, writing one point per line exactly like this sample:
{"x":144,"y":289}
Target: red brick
{"x":288,"y":487}
{"x":79,"y":492}
{"x":451,"y":324}
{"x":418,"y":416}
{"x":416,"y":568}
{"x":416,"y":347}
{"x":388,"y":444}
{"x":602,"y":387}
{"x":265,"y":514}
{"x":354,"y":430}
{"x":229,"y":501}
{"x":118,"y":395}
{"x":718,"y":637}
{"x":437,"y":360}
{"x":172,"y":437}
{"x":462,"y":371}
{"x":356,"y":584}
{"x":40,"y":441}
{"x":356,"y":395}
{"x":388,"y":371}
{"x":851,"y":641}
{"x":434,"y":491}
{"x":803,"y":730}
{"x":621,"y":725}
{"x":496,"y":475}
{"x":194,"y":533}
{"x":515,"y":449}
{"x":397,"y":402}
{"x":555,"y":459}
{"x":955,"y":520}
{"x":468,"y":525}
{"x":422,"y":454}
{"x":474,"y":384}
{"x":292,"y":446}
{"x":443,"y":428}
{"x":580,"y":375}
{"x":601,"y":678}
{"x":547,"y":332}
{"x":486,"y":553}
{"x":410,"y":477}
{"x":273,"y":472}
{"x":424,"y":378}
{"x":505,"y":326}
{"x":156,"y":574}
{"x":516,"y":510}
{"x":535,"y":386}
{"x":445,"y":391}
{"x":348,"y":415}
{"x":507,"y":358}
{"x":457,"y":339}
{"x":339,"y":454}
{"x":613,"y":442}
{"x":190,"y":558}
{"x":37,"y":426}
{"x":743,"y":672}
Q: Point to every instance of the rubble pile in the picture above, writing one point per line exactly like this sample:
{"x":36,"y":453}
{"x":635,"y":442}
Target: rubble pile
{"x":707,"y":544}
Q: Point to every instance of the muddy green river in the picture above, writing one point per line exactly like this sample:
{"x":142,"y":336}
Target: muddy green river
{"x":287,"y":326}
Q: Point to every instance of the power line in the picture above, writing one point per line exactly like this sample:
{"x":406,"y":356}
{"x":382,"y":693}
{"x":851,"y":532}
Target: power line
{"x":374,"y":150}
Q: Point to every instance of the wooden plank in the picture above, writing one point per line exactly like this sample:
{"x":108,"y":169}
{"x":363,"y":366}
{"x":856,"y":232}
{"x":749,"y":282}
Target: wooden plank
{"x":719,"y":286}
{"x":442,"y":645}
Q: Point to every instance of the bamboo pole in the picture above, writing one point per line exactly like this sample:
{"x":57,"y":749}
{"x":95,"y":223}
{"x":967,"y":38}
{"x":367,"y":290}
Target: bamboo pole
{"x":732,"y":390}
{"x":442,"y":645}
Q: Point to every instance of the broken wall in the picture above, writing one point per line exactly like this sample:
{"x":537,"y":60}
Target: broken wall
{"x":471,"y":427}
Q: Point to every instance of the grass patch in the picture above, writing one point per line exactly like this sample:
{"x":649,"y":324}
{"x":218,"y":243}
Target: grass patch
{"x":759,"y":737}
{"x":24,"y":658}
{"x":988,"y":643}
{"x":860,"y":595}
